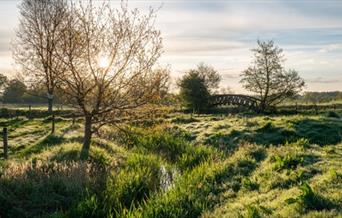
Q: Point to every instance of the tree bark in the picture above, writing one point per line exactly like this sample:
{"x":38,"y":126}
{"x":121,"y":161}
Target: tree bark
{"x":262,"y":106}
{"x":50,"y":103}
{"x":87,"y":137}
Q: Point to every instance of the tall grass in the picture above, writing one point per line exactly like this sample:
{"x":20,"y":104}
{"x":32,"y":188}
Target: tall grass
{"x":36,"y":188}
{"x":199,"y":189}
{"x":172,"y":144}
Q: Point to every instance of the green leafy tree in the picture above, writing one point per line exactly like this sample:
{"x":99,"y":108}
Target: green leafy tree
{"x":197,"y":85}
{"x":193,"y":92}
{"x":3,"y":82}
{"x":268,"y":78}
{"x":14,"y":91}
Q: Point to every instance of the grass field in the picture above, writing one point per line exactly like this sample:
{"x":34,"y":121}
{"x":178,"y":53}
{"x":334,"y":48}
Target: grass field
{"x":183,"y":166}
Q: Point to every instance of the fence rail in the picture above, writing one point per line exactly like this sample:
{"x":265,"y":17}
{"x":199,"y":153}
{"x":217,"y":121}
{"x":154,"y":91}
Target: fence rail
{"x":311,"y":107}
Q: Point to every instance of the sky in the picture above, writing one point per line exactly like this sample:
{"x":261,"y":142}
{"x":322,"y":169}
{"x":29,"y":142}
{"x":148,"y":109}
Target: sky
{"x":222,"y":34}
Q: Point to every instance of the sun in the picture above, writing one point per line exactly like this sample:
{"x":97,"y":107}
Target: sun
{"x":103,"y":61}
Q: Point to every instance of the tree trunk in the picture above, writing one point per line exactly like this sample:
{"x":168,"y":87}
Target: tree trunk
{"x":87,"y":137}
{"x":50,"y":103}
{"x":262,"y":106}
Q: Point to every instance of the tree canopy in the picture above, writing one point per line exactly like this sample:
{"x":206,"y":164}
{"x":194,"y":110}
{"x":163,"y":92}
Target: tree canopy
{"x":197,"y":85}
{"x":267,"y":77}
{"x":14,"y":91}
{"x":110,"y":57}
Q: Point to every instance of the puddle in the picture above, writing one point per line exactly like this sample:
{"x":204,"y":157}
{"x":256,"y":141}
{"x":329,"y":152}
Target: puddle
{"x":167,"y":177}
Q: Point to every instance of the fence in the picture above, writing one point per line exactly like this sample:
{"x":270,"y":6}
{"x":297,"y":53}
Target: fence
{"x":5,"y":142}
{"x":313,"y":107}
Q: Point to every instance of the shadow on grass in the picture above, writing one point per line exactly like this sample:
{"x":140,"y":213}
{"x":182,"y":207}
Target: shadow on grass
{"x":46,"y":142}
{"x":321,"y":132}
{"x":14,"y":123}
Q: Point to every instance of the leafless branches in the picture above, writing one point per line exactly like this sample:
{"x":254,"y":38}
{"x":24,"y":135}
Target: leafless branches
{"x":38,"y":38}
{"x":109,"y":56}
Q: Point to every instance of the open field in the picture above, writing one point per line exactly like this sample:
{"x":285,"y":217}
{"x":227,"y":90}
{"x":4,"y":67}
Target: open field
{"x":170,"y":109}
{"x":201,"y":166}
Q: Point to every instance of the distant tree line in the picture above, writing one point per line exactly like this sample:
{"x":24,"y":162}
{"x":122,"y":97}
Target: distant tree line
{"x":15,"y":91}
{"x":318,"y":97}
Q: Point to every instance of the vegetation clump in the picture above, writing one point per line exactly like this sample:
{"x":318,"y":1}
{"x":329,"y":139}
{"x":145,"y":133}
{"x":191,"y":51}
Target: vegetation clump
{"x":287,"y":162}
{"x":333,"y":114}
{"x":310,"y":200}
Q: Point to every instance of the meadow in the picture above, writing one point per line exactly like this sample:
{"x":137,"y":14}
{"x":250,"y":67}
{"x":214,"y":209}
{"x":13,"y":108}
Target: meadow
{"x":179,"y":165}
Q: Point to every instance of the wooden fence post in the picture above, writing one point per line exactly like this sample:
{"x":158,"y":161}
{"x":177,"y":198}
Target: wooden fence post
{"x":53,"y":124}
{"x":73,"y":119}
{"x":316,"y":109}
{"x":29,"y":115}
{"x":5,"y":140}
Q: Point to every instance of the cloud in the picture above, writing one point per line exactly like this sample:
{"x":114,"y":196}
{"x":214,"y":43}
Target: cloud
{"x":324,"y":80}
{"x":5,"y":39}
{"x":331,"y":48}
{"x":221,"y":33}
{"x":200,"y":46}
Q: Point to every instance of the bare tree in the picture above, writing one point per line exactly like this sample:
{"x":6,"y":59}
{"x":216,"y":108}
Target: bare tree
{"x":110,"y":56}
{"x":267,"y":77}
{"x":38,"y":37}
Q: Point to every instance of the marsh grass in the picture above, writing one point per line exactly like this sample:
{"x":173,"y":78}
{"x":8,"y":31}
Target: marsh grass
{"x":213,"y":166}
{"x":34,"y":188}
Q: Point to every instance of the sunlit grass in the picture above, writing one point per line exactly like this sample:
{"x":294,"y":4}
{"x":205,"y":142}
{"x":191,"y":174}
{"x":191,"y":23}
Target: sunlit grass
{"x":209,"y":166}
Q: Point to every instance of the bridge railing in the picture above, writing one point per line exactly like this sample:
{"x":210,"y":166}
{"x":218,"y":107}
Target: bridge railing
{"x":234,"y":99}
